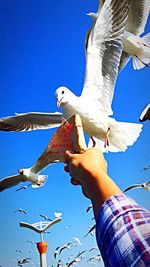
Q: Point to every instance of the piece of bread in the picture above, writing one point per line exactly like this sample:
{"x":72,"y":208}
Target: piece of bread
{"x":69,"y":136}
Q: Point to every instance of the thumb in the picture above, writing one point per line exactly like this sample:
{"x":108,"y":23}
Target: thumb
{"x":69,"y":156}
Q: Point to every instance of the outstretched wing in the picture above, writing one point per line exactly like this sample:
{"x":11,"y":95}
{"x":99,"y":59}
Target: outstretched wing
{"x":11,"y":181}
{"x":103,"y":53}
{"x":145,"y":115}
{"x":30,"y":121}
{"x":138,"y":15}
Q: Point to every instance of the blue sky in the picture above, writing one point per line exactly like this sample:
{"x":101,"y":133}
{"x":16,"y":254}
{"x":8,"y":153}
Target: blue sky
{"x":42,"y":47}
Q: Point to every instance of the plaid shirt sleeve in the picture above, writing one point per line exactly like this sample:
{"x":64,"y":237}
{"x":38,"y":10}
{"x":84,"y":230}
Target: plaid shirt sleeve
{"x":123,"y":233}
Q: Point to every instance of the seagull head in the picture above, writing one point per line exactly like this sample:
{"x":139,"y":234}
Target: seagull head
{"x":63,"y":95}
{"x":92,"y":15}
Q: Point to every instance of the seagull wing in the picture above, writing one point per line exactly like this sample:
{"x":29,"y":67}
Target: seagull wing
{"x":145,"y":115}
{"x":30,"y":121}
{"x":103,"y":54}
{"x":132,"y":187}
{"x":138,"y":15}
{"x":11,"y":181}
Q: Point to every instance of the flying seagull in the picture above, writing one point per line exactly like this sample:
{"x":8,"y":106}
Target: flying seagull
{"x":90,"y":232}
{"x":21,"y":210}
{"x":133,"y":45}
{"x":103,"y":55}
{"x":145,"y":186}
{"x":66,"y":246}
{"x":145,"y":168}
{"x":145,"y":115}
{"x":56,"y":252}
{"x":89,"y":207}
{"x":45,"y":217}
{"x":25,"y":175}
{"x":58,"y":214}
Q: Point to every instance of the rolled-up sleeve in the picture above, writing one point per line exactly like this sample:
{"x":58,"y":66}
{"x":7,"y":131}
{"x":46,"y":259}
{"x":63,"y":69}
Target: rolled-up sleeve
{"x":123,"y":233}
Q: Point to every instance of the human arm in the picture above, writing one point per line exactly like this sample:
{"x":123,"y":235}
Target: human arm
{"x":89,"y":170}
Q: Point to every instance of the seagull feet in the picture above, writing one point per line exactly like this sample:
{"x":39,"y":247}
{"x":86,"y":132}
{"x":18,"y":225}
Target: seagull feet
{"x":107,"y":138}
{"x":94,"y":143}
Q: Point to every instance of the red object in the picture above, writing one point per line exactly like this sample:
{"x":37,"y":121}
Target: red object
{"x":42,"y":247}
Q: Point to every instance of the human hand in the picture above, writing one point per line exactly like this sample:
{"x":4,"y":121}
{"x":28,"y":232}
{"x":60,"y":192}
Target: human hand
{"x":86,"y":169}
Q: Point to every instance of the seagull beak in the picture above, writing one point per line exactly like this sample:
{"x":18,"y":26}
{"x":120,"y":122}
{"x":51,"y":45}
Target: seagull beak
{"x":59,"y":102}
{"x":20,"y":171}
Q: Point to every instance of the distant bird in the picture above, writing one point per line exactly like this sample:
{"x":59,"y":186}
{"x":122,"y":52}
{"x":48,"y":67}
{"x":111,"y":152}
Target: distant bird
{"x":80,"y":253}
{"x":89,"y":207}
{"x":90,"y":232}
{"x":32,"y":242}
{"x":93,"y":249}
{"x":76,"y":260}
{"x":78,"y":242}
{"x":133,"y":45}
{"x":66,"y":246}
{"x":23,"y":187}
{"x":146,"y":168}
{"x":103,"y":53}
{"x":145,"y":115}
{"x":23,"y":261}
{"x":59,"y":263}
{"x":58,"y":214}
{"x":56,"y":252}
{"x":145,"y":186}
{"x":45,"y":217}
{"x":18,"y":250}
{"x":21,"y":210}
{"x":97,"y":258}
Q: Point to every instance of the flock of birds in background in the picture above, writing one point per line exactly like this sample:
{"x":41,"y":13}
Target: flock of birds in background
{"x":112,"y":40}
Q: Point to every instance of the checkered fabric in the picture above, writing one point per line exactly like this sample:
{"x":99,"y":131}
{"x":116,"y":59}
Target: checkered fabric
{"x":123,"y":233}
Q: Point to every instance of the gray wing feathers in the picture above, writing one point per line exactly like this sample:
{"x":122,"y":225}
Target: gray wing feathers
{"x":11,"y":181}
{"x":30,"y":121}
{"x":138,"y":14}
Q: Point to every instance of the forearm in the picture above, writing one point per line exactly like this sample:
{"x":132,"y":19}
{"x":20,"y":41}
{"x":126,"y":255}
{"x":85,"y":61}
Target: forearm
{"x":102,"y":187}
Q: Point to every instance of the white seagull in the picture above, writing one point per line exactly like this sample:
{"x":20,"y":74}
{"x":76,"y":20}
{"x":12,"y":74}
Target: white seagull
{"x":103,"y":53}
{"x":145,"y":186}
{"x":133,"y":45}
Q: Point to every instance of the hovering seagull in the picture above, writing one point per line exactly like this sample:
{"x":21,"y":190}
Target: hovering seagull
{"x":145,"y":168}
{"x":56,"y":252}
{"x":133,"y":45}
{"x":90,"y":232}
{"x":145,"y":186}
{"x":45,"y":217}
{"x":103,"y":55}
{"x":32,"y":242}
{"x":95,"y":248}
{"x":21,"y":210}
{"x":97,"y":258}
{"x":23,"y":261}
{"x":66,"y":246}
{"x":76,"y":260}
{"x":89,"y":207}
{"x":23,"y":176}
{"x":23,"y":187}
{"x":58,"y":214}
{"x":145,"y":115}
{"x":78,"y":242}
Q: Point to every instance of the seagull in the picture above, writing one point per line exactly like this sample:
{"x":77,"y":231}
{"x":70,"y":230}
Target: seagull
{"x":145,"y":168}
{"x":90,"y":232}
{"x":58,"y":214}
{"x":66,"y":246}
{"x":56,"y":252}
{"x":21,"y":210}
{"x":103,"y":53}
{"x":78,"y":242}
{"x":23,"y":261}
{"x":145,"y":115}
{"x":133,"y":45}
{"x":145,"y":186}
{"x":18,"y":250}
{"x":32,"y":242}
{"x":23,"y":187}
{"x":45,"y":217}
{"x":23,"y":176}
{"x":89,"y":207}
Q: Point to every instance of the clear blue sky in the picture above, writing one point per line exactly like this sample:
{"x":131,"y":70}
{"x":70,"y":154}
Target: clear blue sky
{"x":41,"y":48}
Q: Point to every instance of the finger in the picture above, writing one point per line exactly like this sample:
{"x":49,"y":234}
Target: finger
{"x":74,"y":181}
{"x":69,"y":156}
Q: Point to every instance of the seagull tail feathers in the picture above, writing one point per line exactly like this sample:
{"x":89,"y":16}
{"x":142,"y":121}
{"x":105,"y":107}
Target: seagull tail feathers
{"x":41,"y":181}
{"x":143,"y":60}
{"x":122,"y":135}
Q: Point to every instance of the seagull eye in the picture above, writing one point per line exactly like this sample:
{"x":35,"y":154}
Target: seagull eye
{"x":62,"y":92}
